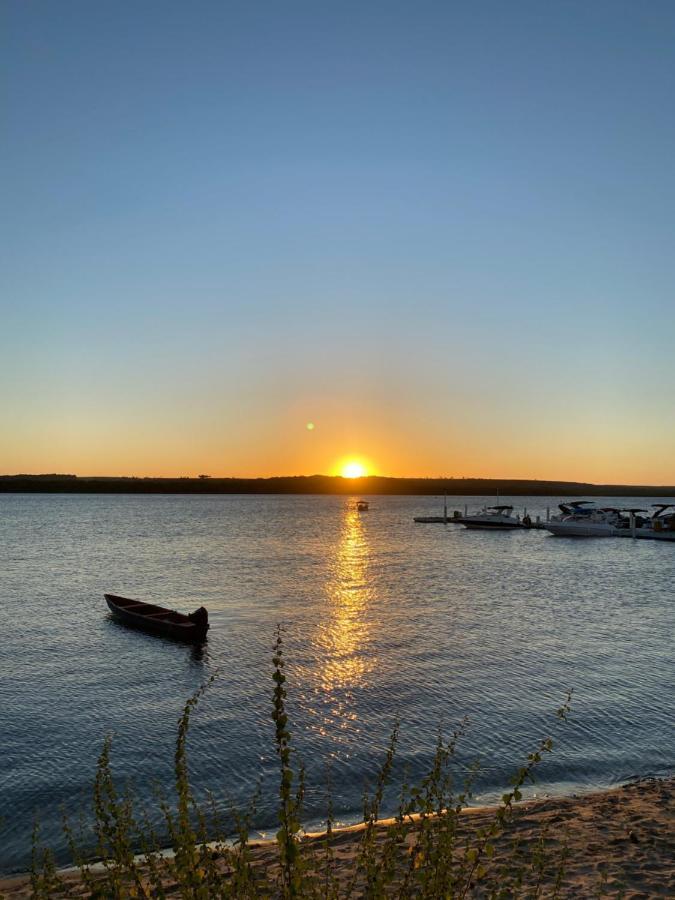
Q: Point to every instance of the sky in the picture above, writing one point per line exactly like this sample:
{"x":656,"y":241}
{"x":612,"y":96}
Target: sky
{"x":441,"y":232}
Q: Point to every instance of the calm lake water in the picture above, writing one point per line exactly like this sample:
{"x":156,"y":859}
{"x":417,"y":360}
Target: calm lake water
{"x":383,"y":619}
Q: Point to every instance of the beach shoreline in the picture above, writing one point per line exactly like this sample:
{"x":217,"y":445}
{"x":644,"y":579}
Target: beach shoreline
{"x":620,"y":841}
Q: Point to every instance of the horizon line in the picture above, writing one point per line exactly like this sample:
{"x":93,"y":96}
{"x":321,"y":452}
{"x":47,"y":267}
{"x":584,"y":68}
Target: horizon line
{"x":336,"y":478}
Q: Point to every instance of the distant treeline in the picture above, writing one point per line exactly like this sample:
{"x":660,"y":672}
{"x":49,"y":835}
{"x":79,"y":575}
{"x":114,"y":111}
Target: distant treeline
{"x":323,"y":484}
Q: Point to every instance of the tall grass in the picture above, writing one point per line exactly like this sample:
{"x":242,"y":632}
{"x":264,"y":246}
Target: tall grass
{"x":427,"y":850}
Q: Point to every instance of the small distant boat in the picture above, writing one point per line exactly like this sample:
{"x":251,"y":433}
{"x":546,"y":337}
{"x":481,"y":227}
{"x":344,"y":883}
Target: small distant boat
{"x":491,"y":518}
{"x":159,"y":620}
{"x":362,"y":505}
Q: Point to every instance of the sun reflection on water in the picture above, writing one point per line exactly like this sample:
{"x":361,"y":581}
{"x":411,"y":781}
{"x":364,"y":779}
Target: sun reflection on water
{"x":345,"y":636}
{"x":343,"y":641}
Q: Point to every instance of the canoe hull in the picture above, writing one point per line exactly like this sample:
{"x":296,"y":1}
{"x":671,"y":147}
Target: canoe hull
{"x":156,"y":619}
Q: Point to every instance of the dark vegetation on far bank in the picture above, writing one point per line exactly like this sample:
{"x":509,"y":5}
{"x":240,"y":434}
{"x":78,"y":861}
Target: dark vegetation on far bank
{"x":324,"y":484}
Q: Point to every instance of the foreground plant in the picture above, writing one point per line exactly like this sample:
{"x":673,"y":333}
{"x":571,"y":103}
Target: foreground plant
{"x":428,"y":850}
{"x":290,"y":805}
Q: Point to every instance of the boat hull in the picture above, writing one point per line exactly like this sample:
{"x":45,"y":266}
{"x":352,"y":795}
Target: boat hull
{"x":487,"y":525}
{"x":646,"y":534}
{"x":156,"y":619}
{"x":581,"y":529}
{"x":562,"y":529}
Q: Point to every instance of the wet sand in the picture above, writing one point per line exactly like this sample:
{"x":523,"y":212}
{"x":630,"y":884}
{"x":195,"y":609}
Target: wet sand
{"x":619,"y":842}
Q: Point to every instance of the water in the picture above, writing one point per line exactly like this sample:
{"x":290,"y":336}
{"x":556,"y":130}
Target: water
{"x":383,"y":618}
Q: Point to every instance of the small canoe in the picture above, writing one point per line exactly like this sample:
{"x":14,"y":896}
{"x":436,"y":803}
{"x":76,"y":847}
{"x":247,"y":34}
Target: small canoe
{"x":159,"y":620}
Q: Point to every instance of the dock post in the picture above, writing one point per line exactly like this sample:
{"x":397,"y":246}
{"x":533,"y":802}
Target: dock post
{"x":632,"y":526}
{"x":548,"y":514}
{"x":466,"y":510}
{"x":445,"y":509}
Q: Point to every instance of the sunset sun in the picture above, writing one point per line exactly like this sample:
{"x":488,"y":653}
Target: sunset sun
{"x":353,"y":469}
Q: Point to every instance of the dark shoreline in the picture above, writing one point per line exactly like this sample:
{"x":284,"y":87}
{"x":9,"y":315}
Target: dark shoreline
{"x":324,"y":484}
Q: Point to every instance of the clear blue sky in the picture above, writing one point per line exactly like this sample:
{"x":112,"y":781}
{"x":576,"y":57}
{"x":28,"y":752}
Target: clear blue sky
{"x":443,"y":232}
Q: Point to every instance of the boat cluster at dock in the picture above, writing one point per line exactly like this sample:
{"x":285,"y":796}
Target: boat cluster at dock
{"x":577,"y":518}
{"x":581,"y":518}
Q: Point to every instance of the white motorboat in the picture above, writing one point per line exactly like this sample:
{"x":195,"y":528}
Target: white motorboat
{"x":581,"y":518}
{"x":491,"y":517}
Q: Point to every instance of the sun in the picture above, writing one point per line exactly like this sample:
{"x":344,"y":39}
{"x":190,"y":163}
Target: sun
{"x":353,"y":469}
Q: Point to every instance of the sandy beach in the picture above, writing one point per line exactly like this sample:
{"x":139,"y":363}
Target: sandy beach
{"x":619,"y":842}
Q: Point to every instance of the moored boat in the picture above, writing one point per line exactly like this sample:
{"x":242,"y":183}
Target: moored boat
{"x":580,"y":518}
{"x":491,"y":518}
{"x":660,"y":526}
{"x":159,"y":620}
{"x":663,"y":520}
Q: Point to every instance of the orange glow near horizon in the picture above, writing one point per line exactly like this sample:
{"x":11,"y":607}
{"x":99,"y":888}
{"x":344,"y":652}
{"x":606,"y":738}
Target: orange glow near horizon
{"x":104,"y":443}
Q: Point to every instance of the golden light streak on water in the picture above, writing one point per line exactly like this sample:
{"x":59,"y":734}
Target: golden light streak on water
{"x":345,"y":637}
